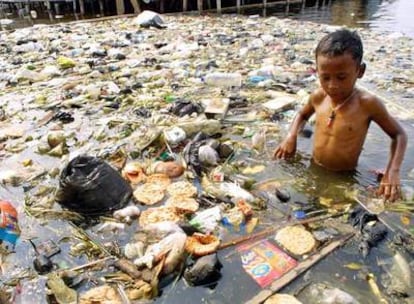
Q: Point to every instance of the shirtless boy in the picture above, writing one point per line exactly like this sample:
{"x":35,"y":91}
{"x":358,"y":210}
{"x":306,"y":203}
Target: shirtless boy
{"x":343,"y":113}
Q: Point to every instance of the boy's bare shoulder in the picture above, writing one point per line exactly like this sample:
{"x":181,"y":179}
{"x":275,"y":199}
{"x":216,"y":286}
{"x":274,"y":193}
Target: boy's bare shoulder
{"x":317,"y":96}
{"x":369,"y":100}
{"x":372,"y":105}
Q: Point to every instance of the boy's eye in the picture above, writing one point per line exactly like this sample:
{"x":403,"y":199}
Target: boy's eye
{"x":341,"y":77}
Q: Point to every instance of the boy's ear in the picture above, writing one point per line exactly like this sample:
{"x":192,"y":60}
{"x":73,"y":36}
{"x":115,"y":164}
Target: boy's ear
{"x":362,"y":68}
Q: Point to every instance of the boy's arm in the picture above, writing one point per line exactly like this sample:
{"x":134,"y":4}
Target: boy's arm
{"x":390,"y":186}
{"x":288,"y":146}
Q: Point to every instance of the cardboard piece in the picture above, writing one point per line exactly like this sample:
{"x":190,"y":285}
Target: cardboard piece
{"x":280,"y":102}
{"x":265,"y":262}
{"x":216,"y":107}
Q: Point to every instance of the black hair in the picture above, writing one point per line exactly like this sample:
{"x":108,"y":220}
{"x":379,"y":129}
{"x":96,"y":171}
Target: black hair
{"x":340,"y":42}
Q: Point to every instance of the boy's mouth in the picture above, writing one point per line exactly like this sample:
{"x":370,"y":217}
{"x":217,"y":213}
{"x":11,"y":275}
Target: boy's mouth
{"x":337,"y":96}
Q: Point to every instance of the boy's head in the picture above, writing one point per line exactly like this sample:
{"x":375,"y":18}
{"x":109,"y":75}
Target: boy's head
{"x":339,"y":63}
{"x":341,"y":42}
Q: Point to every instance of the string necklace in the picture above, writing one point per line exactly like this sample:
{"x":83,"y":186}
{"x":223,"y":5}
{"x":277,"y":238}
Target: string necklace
{"x":331,"y":117}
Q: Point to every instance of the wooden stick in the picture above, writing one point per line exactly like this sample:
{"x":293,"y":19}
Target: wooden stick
{"x":273,"y":229}
{"x":299,"y":269}
{"x":122,"y":293}
{"x":375,"y":289}
{"x":254,"y":5}
{"x":93,"y":263}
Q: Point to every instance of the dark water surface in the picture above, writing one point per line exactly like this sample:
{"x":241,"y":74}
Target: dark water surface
{"x":383,"y":15}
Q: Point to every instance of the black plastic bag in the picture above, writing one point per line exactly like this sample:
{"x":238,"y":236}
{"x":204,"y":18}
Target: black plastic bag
{"x":371,"y":229}
{"x":90,"y":186}
{"x":204,"y":271}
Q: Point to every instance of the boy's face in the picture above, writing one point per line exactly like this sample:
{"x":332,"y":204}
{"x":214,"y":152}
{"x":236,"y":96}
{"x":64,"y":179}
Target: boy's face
{"x":338,"y":74}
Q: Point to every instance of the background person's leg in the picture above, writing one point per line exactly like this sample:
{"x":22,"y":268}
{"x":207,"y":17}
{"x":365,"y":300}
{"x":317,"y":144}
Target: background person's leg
{"x":120,"y":8}
{"x":136,"y":7}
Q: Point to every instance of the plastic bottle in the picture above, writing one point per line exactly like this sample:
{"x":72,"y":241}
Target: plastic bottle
{"x":31,"y":291}
{"x":219,"y":79}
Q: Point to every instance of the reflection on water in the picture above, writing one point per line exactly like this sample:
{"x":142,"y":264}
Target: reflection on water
{"x":384,"y":15}
{"x":374,"y":157}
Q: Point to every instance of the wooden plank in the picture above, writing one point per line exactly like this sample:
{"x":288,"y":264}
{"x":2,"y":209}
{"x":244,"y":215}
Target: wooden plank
{"x":299,"y":269}
{"x":82,"y":7}
{"x":218,"y":2}
{"x":162,"y":6}
{"x":287,"y":7}
{"x":101,"y":8}
{"x":75,"y":9}
{"x":255,"y":5}
{"x":49,"y":10}
{"x":271,"y":230}
{"x":200,"y":6}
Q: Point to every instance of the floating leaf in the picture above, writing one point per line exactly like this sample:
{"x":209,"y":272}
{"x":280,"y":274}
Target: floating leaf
{"x":325,"y":201}
{"x":253,"y":170}
{"x":353,"y":266}
{"x":63,"y":294}
{"x":65,"y":62}
{"x":405,"y":219}
{"x":27,"y":162}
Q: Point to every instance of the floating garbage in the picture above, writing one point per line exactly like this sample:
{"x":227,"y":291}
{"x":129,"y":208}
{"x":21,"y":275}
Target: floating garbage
{"x":398,"y":276}
{"x":281,"y":298}
{"x":104,"y":293}
{"x":30,"y":291}
{"x":42,"y":262}
{"x":323,"y":293}
{"x":127,"y":213}
{"x":204,"y":271}
{"x":283,"y":195}
{"x":9,"y":228}
{"x":296,"y":240}
{"x":171,"y":248}
{"x":169,"y":168}
{"x":134,"y":172}
{"x":89,"y":185}
{"x":200,"y":244}
{"x":175,"y":135}
{"x":372,"y":230}
{"x":150,"y":18}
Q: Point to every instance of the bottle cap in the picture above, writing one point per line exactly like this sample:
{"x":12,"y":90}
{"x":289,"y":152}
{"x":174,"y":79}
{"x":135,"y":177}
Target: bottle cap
{"x":299,"y":214}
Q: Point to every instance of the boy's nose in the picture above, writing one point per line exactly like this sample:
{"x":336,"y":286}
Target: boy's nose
{"x":333,"y":85}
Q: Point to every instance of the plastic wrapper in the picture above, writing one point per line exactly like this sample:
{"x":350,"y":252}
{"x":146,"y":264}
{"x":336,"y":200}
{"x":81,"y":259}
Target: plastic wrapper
{"x":9,"y":229}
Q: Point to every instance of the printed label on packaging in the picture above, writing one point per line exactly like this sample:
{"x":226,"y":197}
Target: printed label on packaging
{"x":265,"y":262}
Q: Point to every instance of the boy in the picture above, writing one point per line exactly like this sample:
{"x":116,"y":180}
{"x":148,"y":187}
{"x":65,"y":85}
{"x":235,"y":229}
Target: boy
{"x":344,"y":112}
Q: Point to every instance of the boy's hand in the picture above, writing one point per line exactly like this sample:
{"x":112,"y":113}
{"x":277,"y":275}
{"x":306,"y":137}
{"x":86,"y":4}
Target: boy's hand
{"x":390,"y":186}
{"x":287,"y":148}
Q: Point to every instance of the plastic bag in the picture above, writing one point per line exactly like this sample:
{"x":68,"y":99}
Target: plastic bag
{"x":90,"y":186}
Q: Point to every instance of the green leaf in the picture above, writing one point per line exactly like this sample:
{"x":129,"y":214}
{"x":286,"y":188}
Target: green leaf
{"x":354,"y":266}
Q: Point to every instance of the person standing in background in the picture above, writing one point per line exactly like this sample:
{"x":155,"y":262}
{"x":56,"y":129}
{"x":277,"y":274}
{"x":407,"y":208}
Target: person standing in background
{"x":120,"y":7}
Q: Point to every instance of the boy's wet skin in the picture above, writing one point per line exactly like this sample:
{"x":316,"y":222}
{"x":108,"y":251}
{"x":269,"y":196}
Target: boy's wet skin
{"x":343,"y":114}
{"x":338,"y":140}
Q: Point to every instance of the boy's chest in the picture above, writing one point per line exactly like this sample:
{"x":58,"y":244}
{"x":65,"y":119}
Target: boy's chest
{"x":348,"y":121}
